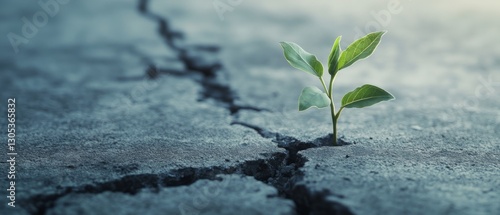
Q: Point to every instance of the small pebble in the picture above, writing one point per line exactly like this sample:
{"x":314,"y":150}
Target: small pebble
{"x":416,"y":127}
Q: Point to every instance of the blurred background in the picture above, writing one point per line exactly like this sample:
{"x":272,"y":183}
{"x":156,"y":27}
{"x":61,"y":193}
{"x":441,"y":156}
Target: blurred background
{"x":430,"y":45}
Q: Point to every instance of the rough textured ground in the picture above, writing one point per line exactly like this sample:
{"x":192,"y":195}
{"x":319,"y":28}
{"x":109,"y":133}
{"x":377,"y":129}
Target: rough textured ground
{"x":156,"y":107}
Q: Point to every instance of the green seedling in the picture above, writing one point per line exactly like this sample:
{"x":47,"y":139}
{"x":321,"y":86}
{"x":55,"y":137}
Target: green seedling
{"x":363,"y":96}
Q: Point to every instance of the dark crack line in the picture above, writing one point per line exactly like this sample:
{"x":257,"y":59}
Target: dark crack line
{"x":291,"y":143}
{"x":222,"y":93}
{"x":267,"y":170}
{"x":306,"y":201}
{"x":280,"y":170}
{"x":212,"y":88}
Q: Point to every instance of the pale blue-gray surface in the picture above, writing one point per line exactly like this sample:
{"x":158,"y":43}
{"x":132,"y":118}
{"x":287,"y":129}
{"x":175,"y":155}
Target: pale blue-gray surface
{"x":93,"y":125}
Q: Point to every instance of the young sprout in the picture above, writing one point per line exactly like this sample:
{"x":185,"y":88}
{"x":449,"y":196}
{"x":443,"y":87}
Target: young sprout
{"x":363,"y":96}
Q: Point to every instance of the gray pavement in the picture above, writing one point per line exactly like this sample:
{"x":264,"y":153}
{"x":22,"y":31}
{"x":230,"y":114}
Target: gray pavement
{"x":157,"y":107}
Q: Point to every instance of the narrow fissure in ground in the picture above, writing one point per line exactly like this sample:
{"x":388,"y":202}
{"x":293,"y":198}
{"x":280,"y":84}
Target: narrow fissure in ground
{"x":280,"y":170}
{"x":283,"y":176}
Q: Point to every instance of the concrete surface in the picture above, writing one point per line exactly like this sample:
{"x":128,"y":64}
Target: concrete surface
{"x":210,"y":197}
{"x":127,"y":107}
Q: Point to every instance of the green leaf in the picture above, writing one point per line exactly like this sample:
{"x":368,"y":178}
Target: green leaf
{"x":313,"y":97}
{"x":365,"y":96}
{"x":301,"y":59}
{"x":360,"y":49}
{"x":333,"y":59}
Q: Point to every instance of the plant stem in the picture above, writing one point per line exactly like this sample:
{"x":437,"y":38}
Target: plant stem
{"x":338,"y":113}
{"x":332,"y":109}
{"x":324,"y":86}
{"x":334,"y":124}
{"x":328,"y":92}
{"x":336,"y":119}
{"x":330,"y":89}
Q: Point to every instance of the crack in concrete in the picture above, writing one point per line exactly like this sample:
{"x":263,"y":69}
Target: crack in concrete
{"x":224,"y":95}
{"x":280,"y":170}
{"x":290,"y":143}
{"x":306,"y":201}
{"x":268,"y":170}
{"x":212,"y":88}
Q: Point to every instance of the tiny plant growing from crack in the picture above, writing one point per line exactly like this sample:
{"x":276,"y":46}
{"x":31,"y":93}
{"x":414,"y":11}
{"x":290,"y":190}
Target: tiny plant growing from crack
{"x":363,"y":96}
